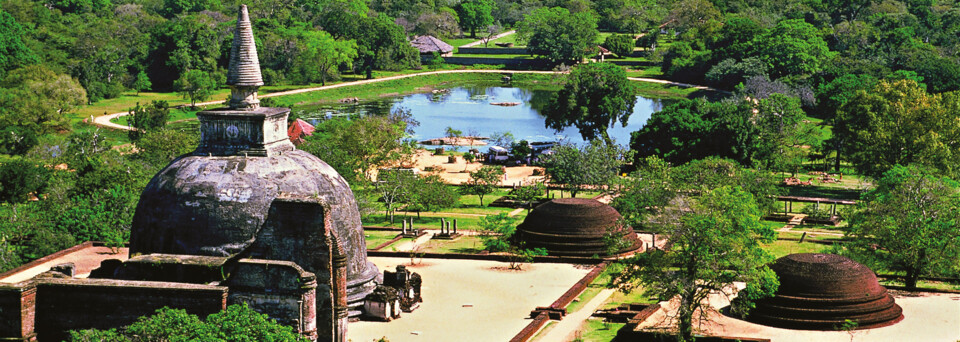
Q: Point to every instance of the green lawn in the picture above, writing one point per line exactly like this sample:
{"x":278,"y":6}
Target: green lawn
{"x":457,"y":42}
{"x":596,"y":330}
{"x":463,"y":244}
{"x":376,"y":237}
{"x":782,"y":248}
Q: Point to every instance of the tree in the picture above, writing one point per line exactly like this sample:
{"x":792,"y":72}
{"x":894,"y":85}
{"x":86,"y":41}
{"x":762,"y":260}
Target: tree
{"x":147,"y":118}
{"x":357,"y":146}
{"x":430,"y":193}
{"x":629,"y":16}
{"x":559,"y":36}
{"x":160,"y":147}
{"x":237,"y":323}
{"x":142,"y":82}
{"x":475,"y":14}
{"x":594,"y":97}
{"x":483,"y":181}
{"x":526,"y":194}
{"x":13,"y":52}
{"x":715,"y":241}
{"x":382,"y":45}
{"x":195,"y":85}
{"x":20,"y":178}
{"x":909,"y":223}
{"x":520,"y":150}
{"x":595,"y":164}
{"x":38,"y":98}
{"x":497,"y":231}
{"x":321,"y":55}
{"x":619,"y":44}
{"x":900,"y":123}
{"x":792,"y":47}
{"x":393,"y":185}
{"x":16,"y":140}
{"x":692,"y":14}
{"x":646,"y":191}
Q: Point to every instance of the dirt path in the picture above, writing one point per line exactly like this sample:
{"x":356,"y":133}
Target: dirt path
{"x":478,"y":42}
{"x":104,"y":120}
{"x":570,"y":324}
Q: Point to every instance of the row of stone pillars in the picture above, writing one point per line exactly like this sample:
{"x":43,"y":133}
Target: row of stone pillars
{"x":445,"y":223}
{"x":407,"y":228}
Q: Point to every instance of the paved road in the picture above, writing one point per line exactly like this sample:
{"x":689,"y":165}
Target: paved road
{"x":104,"y":120}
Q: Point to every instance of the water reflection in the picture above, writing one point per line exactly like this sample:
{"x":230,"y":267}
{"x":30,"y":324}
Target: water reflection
{"x":469,"y":109}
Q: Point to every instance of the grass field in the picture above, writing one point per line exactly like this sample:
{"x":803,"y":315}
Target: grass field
{"x":596,"y":330}
{"x":464,"y":244}
{"x":781,"y":248}
{"x":376,"y":237}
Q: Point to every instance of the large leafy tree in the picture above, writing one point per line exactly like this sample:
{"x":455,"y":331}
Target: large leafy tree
{"x":13,"y":52}
{"x":792,"y":47}
{"x":482,"y":182}
{"x":430,"y":193}
{"x":37,"y":98}
{"x":20,"y":178}
{"x":475,"y":14}
{"x":594,"y":164}
{"x":595,"y":97}
{"x":559,"y":36}
{"x":147,"y":118}
{"x":715,"y":241}
{"x":322,"y":56}
{"x":355,"y":147}
{"x":909,"y":223}
{"x":195,"y":85}
{"x":900,"y":123}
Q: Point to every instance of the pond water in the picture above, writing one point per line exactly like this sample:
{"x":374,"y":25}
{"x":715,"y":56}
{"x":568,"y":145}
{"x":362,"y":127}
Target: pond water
{"x":469,"y":110}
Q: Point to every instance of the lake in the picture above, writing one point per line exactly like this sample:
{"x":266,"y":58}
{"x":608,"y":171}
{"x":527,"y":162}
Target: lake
{"x":469,"y":110}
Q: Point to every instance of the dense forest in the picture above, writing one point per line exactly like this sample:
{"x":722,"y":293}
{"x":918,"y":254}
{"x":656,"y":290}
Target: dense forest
{"x":797,"y":58}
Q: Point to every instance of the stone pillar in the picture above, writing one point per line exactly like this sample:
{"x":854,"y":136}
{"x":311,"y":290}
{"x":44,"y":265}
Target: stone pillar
{"x":403,"y":227}
{"x":454,"y":226}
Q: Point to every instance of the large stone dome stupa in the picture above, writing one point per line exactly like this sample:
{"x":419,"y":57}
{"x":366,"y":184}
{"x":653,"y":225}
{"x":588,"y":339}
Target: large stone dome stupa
{"x":822,"y":291}
{"x":575,"y":226}
{"x":215,"y":200}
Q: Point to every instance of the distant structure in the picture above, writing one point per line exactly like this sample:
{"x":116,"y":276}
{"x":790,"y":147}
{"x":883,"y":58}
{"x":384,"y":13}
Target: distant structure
{"x":822,"y":291}
{"x":577,"y":227}
{"x":298,"y":130}
{"x":245,"y":218}
{"x":430,"y":44}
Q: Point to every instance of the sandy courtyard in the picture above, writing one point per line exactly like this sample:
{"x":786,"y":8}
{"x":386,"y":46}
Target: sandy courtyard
{"x":470,"y":300}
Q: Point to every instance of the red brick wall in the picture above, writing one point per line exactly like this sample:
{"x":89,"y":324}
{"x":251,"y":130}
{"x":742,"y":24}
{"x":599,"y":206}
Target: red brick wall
{"x":17,"y":311}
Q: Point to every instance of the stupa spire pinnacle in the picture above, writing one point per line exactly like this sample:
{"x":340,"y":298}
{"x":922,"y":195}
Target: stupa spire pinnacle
{"x":243,"y":75}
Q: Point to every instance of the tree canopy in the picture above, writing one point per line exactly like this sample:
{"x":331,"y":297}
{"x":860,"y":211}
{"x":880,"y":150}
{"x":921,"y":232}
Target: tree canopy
{"x":559,"y":36}
{"x":595,"y":96}
{"x":900,"y":123}
{"x":715,"y":240}
{"x":909,"y":223}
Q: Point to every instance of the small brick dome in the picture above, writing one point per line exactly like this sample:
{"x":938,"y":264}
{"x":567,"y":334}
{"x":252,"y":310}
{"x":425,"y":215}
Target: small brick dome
{"x":821,"y":291}
{"x":574,"y":226}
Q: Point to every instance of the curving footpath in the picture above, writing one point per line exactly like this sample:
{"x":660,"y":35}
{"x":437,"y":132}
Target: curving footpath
{"x":104,"y":120}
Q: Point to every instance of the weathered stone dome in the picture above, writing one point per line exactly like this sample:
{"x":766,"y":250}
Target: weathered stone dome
{"x":821,"y":291}
{"x":575,"y":226}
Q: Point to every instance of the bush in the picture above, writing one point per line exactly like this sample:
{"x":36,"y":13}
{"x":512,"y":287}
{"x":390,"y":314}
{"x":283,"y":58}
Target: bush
{"x":619,"y":44}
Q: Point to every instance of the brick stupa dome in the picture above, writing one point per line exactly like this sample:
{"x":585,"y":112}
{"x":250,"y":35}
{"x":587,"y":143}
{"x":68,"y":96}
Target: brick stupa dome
{"x":216,"y":200}
{"x":821,"y":291}
{"x":576,"y":227}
